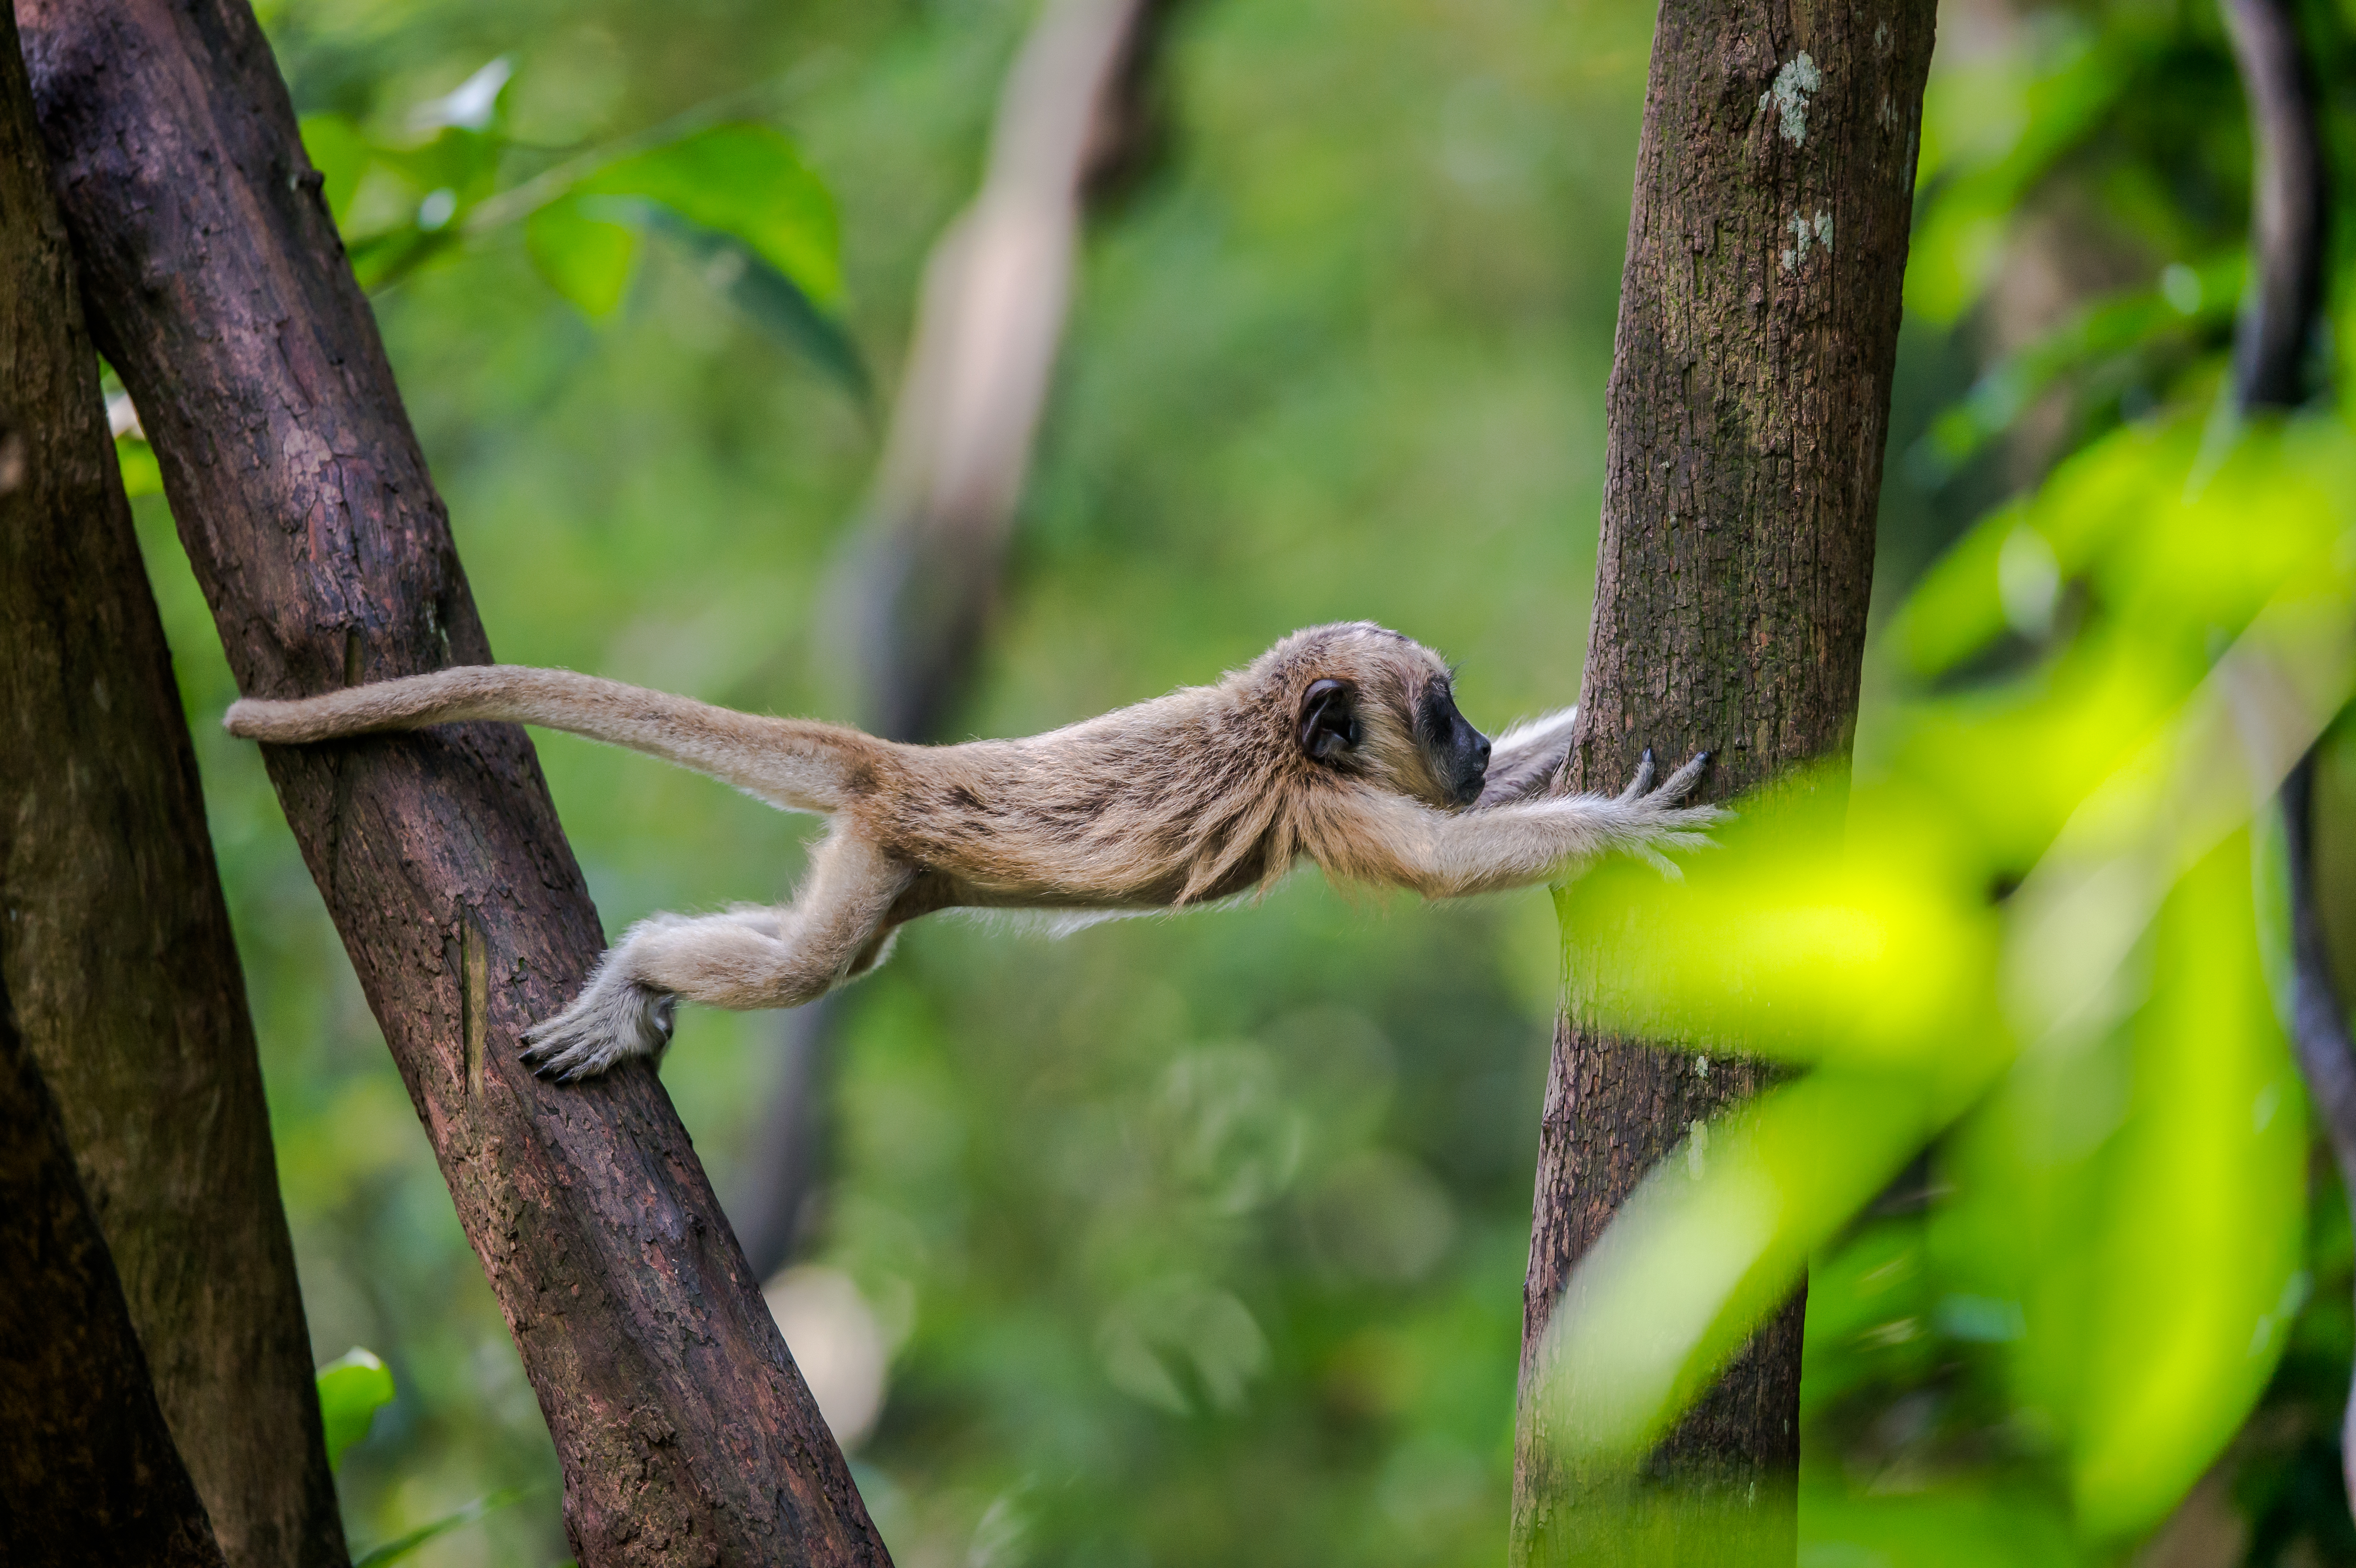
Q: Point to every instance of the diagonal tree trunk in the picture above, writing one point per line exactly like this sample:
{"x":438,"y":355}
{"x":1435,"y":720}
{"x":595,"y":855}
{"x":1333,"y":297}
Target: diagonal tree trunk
{"x":88,"y":1474}
{"x":117,"y":947}
{"x":1749,"y":399}
{"x":216,"y":285}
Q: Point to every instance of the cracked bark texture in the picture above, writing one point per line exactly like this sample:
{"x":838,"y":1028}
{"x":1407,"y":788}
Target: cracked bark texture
{"x":89,"y":1472}
{"x":1748,"y":401}
{"x":116,"y":943}
{"x":216,"y":285}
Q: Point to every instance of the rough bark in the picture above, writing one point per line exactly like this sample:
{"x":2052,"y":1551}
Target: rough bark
{"x":218,"y":287}
{"x":1748,"y":404}
{"x":1075,"y":121}
{"x":117,"y":947}
{"x":89,"y":1472}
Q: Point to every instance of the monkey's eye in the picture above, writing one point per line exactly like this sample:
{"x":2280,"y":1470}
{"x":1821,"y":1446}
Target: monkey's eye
{"x":1329,"y":720}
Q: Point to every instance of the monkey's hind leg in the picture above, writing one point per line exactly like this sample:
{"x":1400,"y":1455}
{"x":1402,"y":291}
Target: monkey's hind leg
{"x":746,"y":958}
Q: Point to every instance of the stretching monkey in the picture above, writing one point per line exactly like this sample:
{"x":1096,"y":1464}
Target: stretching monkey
{"x":1341,"y":743}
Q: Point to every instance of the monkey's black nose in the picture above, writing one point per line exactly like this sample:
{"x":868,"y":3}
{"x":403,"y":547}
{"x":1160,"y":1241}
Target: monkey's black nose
{"x":1481,"y":751}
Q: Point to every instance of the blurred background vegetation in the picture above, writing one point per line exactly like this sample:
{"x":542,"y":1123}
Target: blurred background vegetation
{"x":1202,"y":1239}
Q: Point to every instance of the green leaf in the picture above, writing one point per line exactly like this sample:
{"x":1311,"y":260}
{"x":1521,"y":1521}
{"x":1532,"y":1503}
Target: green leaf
{"x":586,"y":258}
{"x":2199,"y":1273}
{"x":393,"y":1551}
{"x":1806,"y":935}
{"x":352,"y":1389}
{"x":1714,"y":1239}
{"x":748,"y":182}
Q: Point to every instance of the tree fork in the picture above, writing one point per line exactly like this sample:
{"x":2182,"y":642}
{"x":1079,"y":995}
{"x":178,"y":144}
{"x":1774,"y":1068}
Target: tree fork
{"x":117,"y":949}
{"x":218,"y":287}
{"x":1748,"y":402}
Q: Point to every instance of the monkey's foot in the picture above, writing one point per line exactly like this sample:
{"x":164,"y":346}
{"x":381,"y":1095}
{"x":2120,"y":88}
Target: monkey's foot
{"x":611,"y":1020}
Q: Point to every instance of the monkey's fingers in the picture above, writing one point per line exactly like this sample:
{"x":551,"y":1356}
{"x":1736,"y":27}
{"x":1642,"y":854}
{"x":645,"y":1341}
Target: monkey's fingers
{"x":1678,"y":784}
{"x":1641,"y":783}
{"x":1686,"y":815}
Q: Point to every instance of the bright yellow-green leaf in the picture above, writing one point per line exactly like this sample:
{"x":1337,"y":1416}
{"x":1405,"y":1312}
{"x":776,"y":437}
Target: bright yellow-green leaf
{"x":2197,"y":1272}
{"x":1801,"y":935}
{"x":1714,"y":1239}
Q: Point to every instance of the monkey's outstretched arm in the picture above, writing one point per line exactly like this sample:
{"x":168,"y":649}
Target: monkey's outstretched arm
{"x":795,"y":763}
{"x":835,"y":928}
{"x":1449,"y":855}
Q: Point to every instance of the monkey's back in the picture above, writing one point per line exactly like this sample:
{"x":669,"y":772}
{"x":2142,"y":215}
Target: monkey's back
{"x":1177,"y":799}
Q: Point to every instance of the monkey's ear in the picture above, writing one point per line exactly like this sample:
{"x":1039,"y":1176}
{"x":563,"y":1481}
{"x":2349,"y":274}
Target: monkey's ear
{"x":1329,"y":719}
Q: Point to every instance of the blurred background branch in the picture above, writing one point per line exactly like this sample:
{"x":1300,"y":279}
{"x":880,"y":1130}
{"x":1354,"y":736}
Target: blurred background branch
{"x":910,"y":604}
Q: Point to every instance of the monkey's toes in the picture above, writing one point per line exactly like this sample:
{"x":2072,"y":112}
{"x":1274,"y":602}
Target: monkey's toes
{"x":610,"y":1022}
{"x":567,"y":1052}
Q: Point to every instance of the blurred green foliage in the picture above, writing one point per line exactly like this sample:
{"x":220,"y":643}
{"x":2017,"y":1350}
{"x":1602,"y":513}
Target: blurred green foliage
{"x":1201,"y":1240}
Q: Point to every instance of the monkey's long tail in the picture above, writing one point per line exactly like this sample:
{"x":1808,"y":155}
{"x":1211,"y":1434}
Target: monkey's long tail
{"x":796,"y":764}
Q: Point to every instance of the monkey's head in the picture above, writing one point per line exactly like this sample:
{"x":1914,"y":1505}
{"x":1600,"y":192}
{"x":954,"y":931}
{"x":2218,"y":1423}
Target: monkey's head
{"x":1368,"y":703}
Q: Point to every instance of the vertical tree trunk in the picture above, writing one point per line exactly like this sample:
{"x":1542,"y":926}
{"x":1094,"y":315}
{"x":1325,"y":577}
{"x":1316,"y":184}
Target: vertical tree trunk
{"x":87,"y":1473}
{"x":1749,"y":392}
{"x":116,"y":947}
{"x":216,"y":285}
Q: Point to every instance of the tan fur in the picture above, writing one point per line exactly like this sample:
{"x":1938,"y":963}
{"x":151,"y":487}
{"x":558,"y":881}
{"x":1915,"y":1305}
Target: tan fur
{"x":1196,"y":795}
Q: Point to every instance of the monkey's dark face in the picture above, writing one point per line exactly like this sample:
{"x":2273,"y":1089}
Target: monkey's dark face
{"x":1458,"y":755}
{"x":1386,"y":713}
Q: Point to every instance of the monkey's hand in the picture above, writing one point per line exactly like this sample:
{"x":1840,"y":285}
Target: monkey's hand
{"x":1651,"y":821}
{"x":613,"y":1017}
{"x":1451,"y":854}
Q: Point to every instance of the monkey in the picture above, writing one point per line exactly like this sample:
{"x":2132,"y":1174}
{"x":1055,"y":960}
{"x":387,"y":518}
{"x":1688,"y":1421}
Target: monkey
{"x":1342,"y":745}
